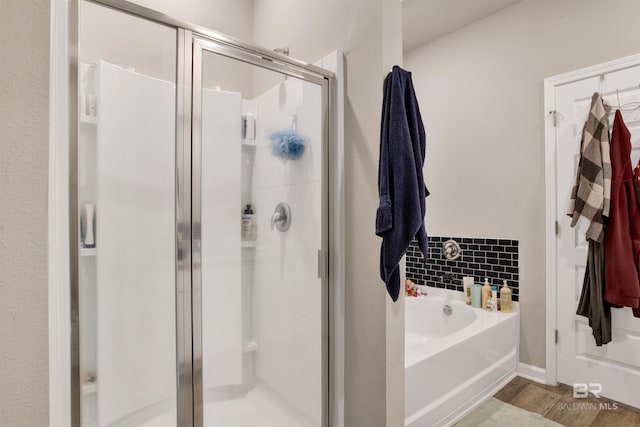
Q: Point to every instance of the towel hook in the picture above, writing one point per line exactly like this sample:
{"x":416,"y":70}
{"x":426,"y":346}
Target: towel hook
{"x":618,"y":96}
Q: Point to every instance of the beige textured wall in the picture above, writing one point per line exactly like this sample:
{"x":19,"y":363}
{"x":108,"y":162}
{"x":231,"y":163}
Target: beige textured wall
{"x":24,"y":128}
{"x":231,"y":17}
{"x":313,"y":29}
{"x":481,"y":94}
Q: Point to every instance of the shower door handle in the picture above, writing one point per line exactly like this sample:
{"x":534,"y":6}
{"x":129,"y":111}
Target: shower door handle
{"x":323,"y":264}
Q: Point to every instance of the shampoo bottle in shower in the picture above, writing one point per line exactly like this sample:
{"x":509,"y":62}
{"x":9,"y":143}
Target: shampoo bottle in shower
{"x":505,"y":298}
{"x":247,"y":224}
{"x":88,"y":240}
{"x":486,"y":292}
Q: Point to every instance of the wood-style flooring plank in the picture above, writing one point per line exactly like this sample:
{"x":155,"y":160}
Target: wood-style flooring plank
{"x":571,"y":412}
{"x":616,"y":417}
{"x":536,"y":399}
{"x":512,"y":389}
{"x":559,"y":405}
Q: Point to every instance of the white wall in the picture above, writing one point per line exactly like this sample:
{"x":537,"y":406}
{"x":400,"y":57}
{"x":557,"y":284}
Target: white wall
{"x":24,"y":127}
{"x":481,"y":95}
{"x":365,"y":31}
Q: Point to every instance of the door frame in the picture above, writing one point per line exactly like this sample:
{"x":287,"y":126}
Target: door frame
{"x":65,"y":391}
{"x":550,"y":84}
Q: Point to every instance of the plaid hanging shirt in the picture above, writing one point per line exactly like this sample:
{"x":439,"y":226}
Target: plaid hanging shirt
{"x":591,"y":194}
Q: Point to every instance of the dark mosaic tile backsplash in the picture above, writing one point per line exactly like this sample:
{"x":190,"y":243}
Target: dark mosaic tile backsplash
{"x":496,"y":259}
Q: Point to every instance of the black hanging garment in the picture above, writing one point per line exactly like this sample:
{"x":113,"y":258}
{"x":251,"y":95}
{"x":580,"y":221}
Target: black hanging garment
{"x":400,"y":215}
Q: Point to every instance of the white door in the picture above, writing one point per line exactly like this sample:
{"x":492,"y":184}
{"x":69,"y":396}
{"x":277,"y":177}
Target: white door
{"x":615,"y":366}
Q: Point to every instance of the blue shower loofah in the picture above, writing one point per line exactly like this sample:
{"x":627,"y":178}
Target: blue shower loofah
{"x":287,"y":144}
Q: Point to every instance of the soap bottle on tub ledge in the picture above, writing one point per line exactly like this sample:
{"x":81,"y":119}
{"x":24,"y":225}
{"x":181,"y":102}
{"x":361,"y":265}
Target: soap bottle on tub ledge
{"x":505,"y":298}
{"x":494,"y":299}
{"x":467,"y":283}
{"x":486,"y":292}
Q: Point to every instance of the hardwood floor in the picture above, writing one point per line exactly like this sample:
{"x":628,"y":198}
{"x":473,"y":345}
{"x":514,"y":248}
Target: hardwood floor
{"x":559,"y":405}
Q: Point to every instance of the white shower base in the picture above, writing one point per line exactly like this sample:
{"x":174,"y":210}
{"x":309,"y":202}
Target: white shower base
{"x":260,"y":407}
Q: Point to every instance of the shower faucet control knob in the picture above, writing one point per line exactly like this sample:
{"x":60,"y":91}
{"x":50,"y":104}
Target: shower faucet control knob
{"x":281,"y":217}
{"x":451,"y":250}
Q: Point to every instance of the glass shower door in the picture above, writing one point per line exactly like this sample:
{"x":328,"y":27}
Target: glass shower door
{"x":202,"y":190}
{"x":127,"y":211}
{"x":259,"y":164}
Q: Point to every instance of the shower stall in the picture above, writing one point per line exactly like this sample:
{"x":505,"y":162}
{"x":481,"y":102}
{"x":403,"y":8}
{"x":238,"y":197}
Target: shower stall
{"x":200,"y":227}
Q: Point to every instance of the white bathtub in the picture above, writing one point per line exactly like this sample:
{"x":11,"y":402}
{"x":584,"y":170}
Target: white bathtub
{"x":453,"y":363}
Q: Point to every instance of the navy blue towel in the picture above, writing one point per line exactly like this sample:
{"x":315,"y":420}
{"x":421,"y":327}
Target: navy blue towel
{"x":400,"y":215}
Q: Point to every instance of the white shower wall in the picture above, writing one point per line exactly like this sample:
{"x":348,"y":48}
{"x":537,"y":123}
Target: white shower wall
{"x":134,"y":334}
{"x":135,"y":243}
{"x":287,"y":297}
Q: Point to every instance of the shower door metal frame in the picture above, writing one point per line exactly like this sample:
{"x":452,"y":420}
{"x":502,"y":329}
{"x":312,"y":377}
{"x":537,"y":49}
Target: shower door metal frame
{"x":203,"y":43}
{"x":191,"y":41}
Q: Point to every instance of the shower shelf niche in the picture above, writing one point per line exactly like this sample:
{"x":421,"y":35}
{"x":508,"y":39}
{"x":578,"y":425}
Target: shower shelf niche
{"x":87,"y":251}
{"x":89,"y":387}
{"x":248,"y":195}
{"x":250,"y":346}
{"x":88,"y":120}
